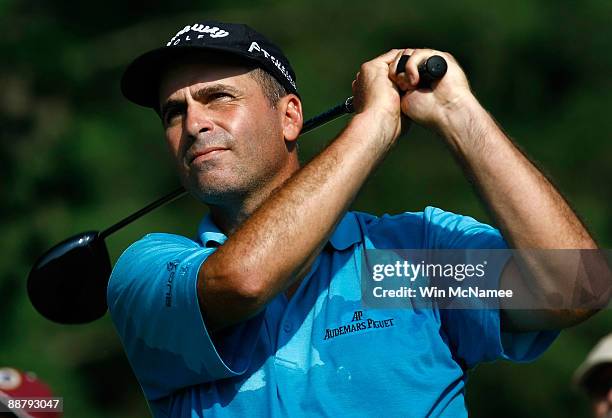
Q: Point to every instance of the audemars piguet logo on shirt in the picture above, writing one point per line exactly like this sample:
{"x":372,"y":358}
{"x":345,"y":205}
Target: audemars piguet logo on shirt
{"x":202,"y":30}
{"x":357,"y":324}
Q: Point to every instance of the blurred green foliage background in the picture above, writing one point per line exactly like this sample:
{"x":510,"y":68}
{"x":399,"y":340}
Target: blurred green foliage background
{"x":76,"y":156}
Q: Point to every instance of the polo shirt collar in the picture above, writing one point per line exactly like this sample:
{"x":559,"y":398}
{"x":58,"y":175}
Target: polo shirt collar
{"x":347,"y":232}
{"x":210,"y":235}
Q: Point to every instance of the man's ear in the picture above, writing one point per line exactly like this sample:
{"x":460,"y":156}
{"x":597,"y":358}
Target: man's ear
{"x":292,"y":118}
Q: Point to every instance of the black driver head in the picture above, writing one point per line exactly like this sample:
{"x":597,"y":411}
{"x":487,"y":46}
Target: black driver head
{"x":68,"y":283}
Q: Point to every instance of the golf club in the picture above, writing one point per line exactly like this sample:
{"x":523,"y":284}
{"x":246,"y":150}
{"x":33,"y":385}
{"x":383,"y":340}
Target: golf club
{"x":67,"y":284}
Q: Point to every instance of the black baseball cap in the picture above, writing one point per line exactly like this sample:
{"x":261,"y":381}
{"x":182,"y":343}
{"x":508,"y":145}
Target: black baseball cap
{"x":140,"y":81}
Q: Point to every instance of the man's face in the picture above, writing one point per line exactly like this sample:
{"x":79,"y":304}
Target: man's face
{"x":225,"y":137}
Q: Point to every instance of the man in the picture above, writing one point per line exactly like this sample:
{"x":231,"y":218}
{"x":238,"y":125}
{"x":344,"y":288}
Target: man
{"x":236,"y":321}
{"x":594,"y":376}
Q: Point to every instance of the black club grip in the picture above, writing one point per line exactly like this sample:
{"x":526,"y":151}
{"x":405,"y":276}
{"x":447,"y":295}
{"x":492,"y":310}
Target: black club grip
{"x":431,"y":69}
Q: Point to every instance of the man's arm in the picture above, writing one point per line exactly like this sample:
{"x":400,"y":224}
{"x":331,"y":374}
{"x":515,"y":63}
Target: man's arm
{"x":530,"y":212}
{"x":275,"y":246}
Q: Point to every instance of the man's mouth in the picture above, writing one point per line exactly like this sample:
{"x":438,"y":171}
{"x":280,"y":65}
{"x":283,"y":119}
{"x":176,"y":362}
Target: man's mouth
{"x":206,"y":153}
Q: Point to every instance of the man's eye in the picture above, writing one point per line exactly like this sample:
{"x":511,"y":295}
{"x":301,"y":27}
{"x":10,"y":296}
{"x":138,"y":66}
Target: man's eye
{"x":220,"y":95}
{"x":171,"y":114}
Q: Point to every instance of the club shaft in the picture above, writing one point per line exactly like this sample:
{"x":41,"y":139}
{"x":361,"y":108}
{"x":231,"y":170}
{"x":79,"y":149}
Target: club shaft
{"x":333,"y":113}
{"x":180,"y":192}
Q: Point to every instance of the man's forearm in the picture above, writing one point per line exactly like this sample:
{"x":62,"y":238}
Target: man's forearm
{"x":276,"y":245}
{"x":529,"y":210}
{"x":532,"y":214}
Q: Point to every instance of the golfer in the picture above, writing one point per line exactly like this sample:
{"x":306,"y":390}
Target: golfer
{"x":594,"y":377}
{"x":248,"y":318}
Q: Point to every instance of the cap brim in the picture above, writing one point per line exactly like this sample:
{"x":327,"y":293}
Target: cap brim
{"x":140,"y":81}
{"x":586,"y":370}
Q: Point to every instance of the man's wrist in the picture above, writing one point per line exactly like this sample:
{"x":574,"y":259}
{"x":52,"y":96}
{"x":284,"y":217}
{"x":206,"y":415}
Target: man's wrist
{"x":465,"y":123}
{"x":378,"y":124}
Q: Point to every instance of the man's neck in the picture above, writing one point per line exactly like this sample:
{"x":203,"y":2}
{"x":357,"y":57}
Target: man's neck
{"x":228,"y":218}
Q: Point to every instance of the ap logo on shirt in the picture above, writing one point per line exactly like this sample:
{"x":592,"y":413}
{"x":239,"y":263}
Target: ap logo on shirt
{"x":357,"y":324}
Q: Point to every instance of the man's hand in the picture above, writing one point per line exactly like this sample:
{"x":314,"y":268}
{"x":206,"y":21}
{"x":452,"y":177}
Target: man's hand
{"x":429,"y":107}
{"x":375,"y":94}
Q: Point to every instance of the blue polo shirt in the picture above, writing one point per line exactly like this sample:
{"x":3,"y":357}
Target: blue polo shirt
{"x":284,"y":361}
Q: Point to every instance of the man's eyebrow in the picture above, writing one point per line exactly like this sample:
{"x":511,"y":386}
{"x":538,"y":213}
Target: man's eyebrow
{"x":201,"y":94}
{"x":169,"y":104}
{"x":206,"y":91}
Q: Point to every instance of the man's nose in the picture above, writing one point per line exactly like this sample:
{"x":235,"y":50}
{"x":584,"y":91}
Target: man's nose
{"x":197,"y":120}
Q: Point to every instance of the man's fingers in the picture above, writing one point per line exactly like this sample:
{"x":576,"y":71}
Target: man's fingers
{"x":388,"y":56}
{"x":417,"y":56}
{"x":407,"y":51}
{"x":401,"y":79}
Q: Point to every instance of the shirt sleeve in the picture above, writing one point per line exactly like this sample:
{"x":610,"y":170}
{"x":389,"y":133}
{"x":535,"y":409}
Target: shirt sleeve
{"x":152,"y":298}
{"x":475,"y":334}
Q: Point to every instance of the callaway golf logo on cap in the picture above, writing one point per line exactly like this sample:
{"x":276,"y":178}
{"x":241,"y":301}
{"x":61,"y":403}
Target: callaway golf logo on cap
{"x":199,"y":31}
{"x":213,"y":32}
{"x":140,"y":81}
